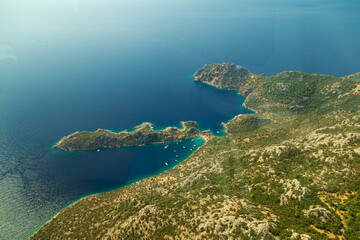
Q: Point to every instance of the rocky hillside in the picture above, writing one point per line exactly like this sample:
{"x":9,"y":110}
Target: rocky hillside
{"x":290,"y":171}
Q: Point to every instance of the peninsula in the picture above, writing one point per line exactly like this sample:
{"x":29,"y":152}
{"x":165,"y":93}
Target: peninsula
{"x":226,"y":76}
{"x":144,"y":134}
{"x":291,"y":170}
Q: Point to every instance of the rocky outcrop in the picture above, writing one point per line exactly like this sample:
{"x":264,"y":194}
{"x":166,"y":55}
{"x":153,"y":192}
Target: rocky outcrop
{"x":143,"y":134}
{"x":318,"y":212}
{"x":293,"y":189}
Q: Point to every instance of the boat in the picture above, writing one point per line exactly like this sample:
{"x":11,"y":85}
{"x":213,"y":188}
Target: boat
{"x":98,"y":150}
{"x":166,"y":146}
{"x":166,"y":164}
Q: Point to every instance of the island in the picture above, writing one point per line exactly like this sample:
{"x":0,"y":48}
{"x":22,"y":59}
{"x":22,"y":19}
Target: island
{"x":291,"y":170}
{"x":144,"y":134}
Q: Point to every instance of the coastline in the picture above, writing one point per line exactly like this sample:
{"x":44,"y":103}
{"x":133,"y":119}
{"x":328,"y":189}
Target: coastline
{"x":218,"y":157}
{"x":202,"y":136}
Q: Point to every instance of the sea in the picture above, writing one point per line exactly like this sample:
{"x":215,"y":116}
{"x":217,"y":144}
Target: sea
{"x":74,"y":65}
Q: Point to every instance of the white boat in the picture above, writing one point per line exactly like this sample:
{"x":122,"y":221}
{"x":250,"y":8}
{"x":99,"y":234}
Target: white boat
{"x":183,"y":146}
{"x":166,"y":164}
{"x":174,"y":150}
{"x":98,"y":150}
{"x":166,"y":146}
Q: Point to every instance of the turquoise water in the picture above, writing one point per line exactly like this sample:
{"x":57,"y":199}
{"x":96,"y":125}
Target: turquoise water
{"x":79,"y":65}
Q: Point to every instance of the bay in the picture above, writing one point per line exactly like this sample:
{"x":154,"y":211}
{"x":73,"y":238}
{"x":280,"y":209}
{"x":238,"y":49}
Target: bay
{"x":81,"y":65}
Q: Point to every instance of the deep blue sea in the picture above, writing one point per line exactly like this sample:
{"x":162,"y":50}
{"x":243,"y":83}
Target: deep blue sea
{"x":85,"y":64}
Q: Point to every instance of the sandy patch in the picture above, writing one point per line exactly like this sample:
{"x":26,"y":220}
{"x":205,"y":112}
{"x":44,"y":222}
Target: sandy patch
{"x":357,"y":89}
